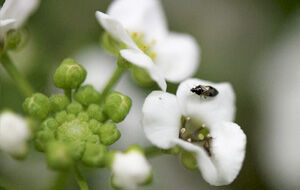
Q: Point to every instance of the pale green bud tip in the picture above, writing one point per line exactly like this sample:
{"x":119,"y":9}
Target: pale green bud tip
{"x":61,"y":117}
{"x":109,"y":133}
{"x":50,"y":124}
{"x":189,"y":160}
{"x":69,"y":74}
{"x":58,"y":156}
{"x":13,"y":39}
{"x":74,"y":108}
{"x":87,"y":95}
{"x":117,"y":106}
{"x":38,"y":106}
{"x":96,"y":112}
{"x":94,"y":126}
{"x":59,"y":102}
{"x":94,"y":155}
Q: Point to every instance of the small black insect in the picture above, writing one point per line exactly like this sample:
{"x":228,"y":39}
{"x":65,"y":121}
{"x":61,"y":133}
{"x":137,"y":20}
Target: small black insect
{"x":205,"y":91}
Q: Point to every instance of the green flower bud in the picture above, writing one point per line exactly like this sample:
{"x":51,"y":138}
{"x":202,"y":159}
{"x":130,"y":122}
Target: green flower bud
{"x":58,"y":155}
{"x":38,"y":106}
{"x":93,"y":139}
{"x":69,"y":75}
{"x":59,"y":102}
{"x":141,"y":77}
{"x":109,"y":133}
{"x":74,"y":108}
{"x":61,"y":117}
{"x":111,"y":45}
{"x":87,"y":95}
{"x":109,"y":159}
{"x":123,"y":63}
{"x":77,"y":149}
{"x":94,"y":126}
{"x":13,"y":39}
{"x":94,"y":155}
{"x":75,"y":130}
{"x":83,"y":116}
{"x":71,"y":117}
{"x":117,"y":106}
{"x":42,"y":138}
{"x":96,"y":112}
{"x":50,"y":124}
{"x":189,"y":160}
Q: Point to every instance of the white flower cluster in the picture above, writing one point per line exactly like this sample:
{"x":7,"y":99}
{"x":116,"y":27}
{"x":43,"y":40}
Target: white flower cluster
{"x":167,"y":119}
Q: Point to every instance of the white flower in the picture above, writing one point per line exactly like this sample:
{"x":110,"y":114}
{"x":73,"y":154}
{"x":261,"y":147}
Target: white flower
{"x":171,"y":120}
{"x":130,"y":169}
{"x":14,"y":133}
{"x":173,"y":56}
{"x":14,"y":13}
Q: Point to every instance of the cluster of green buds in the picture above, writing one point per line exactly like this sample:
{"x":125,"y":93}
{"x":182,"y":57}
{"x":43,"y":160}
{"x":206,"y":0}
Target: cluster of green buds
{"x":113,"y":46}
{"x":77,"y":126}
{"x":13,"y":40}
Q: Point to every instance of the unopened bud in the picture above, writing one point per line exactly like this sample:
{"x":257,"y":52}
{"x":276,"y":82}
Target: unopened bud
{"x":58,"y":156}
{"x":69,"y":75}
{"x":74,"y":108}
{"x":117,"y":106}
{"x":94,"y":155}
{"x":38,"y":106}
{"x":109,"y":133}
{"x":87,"y":95}
{"x":96,"y":112}
{"x":59,"y":102}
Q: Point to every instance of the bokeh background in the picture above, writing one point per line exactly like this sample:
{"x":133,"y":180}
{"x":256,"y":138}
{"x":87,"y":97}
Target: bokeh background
{"x":253,"y":44}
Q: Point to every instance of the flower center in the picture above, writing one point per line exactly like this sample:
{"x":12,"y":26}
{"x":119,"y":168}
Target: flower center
{"x":196,"y":132}
{"x":147,"y":48}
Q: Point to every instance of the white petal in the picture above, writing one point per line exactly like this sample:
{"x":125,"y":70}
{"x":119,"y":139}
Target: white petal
{"x":19,"y":10}
{"x":161,"y":118}
{"x":141,"y":16}
{"x":228,"y":152}
{"x":138,"y":58}
{"x":178,"y":56}
{"x":6,"y":25}
{"x":208,"y":110}
{"x":14,"y":132}
{"x":130,"y":169}
{"x":116,"y":29}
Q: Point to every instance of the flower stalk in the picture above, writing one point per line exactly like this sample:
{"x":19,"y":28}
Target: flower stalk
{"x":80,"y":180}
{"x":19,"y":79}
{"x":112,"y":82}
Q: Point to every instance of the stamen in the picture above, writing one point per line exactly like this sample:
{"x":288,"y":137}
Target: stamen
{"x":182,"y":130}
{"x":201,"y":137}
{"x":189,"y":140}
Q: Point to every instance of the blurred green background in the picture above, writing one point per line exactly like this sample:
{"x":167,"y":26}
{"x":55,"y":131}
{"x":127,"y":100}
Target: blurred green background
{"x":233,"y":34}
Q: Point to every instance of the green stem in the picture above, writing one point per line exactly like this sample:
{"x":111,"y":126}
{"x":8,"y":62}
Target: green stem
{"x":20,"y":80}
{"x":112,"y":82}
{"x":60,"y":181}
{"x":68,"y":93}
{"x":80,"y":180}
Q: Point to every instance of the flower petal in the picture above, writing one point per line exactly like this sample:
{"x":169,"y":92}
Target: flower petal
{"x":178,"y":56}
{"x":138,"y":58}
{"x":228,"y":152}
{"x":19,"y":10}
{"x":6,"y":25}
{"x":130,"y":169}
{"x":161,"y":118}
{"x":14,"y":132}
{"x":141,"y":16}
{"x":209,"y":110}
{"x":115,"y":28}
